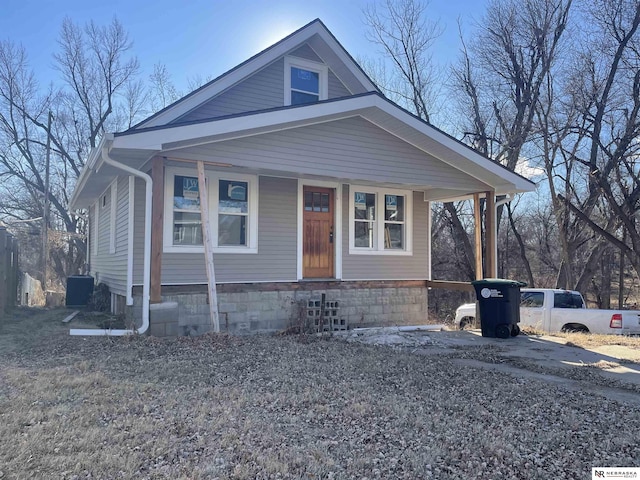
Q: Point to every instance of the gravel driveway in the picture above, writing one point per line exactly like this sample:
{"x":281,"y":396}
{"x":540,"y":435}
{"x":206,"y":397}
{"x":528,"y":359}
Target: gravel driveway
{"x":287,"y":407}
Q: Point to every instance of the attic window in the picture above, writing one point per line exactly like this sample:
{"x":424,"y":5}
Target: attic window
{"x":305,"y":81}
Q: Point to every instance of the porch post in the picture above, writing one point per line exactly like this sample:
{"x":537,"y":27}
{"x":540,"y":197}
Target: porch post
{"x":477,"y":222}
{"x":157,"y":175}
{"x":490,"y":234}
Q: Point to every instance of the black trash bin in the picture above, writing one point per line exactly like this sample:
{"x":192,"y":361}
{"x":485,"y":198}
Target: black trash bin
{"x":498,"y":306}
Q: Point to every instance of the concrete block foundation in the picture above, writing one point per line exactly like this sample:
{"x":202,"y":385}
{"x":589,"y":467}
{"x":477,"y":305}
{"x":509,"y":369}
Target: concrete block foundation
{"x":263,"y":308}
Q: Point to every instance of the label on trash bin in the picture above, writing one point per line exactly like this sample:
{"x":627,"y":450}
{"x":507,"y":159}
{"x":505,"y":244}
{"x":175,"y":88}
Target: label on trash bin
{"x":490,"y":293}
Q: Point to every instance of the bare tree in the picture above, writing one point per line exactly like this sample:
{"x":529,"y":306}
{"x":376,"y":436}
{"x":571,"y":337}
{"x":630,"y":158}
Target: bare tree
{"x":98,"y":82}
{"x":406,"y":36}
{"x":163,"y":92}
{"x":502,"y":76}
{"x":605,"y":91}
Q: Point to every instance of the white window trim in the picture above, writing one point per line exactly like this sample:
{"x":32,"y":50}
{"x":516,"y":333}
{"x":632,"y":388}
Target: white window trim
{"x":112,"y":218}
{"x":212,"y":178}
{"x":378,"y":248}
{"x":337,"y":239}
{"x":321,"y":69}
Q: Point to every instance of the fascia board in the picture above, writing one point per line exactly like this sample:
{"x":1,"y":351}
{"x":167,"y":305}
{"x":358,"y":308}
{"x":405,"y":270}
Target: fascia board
{"x":86,"y":172}
{"x":252,"y":66}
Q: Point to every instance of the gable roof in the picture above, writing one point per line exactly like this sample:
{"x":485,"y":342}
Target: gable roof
{"x":315,"y":33}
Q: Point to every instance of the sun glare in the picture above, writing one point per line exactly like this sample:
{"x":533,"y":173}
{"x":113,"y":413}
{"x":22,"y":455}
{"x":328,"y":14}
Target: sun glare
{"x":276,"y":31}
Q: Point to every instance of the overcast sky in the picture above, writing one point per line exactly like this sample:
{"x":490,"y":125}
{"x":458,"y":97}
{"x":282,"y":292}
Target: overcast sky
{"x":206,"y":38}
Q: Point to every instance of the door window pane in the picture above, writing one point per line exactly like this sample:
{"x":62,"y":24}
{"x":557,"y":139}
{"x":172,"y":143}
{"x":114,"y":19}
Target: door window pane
{"x":324,"y":202}
{"x":308,"y":201}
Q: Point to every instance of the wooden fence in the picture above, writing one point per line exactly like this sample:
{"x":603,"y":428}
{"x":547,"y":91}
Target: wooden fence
{"x":8,"y":270}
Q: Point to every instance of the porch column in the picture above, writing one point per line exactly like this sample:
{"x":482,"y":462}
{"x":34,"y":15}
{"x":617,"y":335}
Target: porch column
{"x":477,"y":221}
{"x":490,"y":234}
{"x":157,"y":215}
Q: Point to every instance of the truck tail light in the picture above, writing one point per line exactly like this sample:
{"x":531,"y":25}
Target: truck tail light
{"x":616,"y":320}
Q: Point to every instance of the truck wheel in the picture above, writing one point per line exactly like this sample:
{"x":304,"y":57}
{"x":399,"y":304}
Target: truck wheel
{"x":503,"y":331}
{"x":515,"y":331}
{"x":467,"y":323}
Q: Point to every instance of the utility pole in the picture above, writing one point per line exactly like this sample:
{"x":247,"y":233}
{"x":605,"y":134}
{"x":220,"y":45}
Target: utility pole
{"x":45,"y":214}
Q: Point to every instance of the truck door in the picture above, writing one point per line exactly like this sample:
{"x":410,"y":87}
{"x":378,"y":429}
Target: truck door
{"x":532,"y":311}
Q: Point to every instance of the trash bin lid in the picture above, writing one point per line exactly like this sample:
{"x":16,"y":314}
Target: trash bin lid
{"x":488,"y":282}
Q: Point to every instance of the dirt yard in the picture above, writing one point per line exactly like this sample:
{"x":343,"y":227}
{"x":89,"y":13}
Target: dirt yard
{"x":286,"y":407}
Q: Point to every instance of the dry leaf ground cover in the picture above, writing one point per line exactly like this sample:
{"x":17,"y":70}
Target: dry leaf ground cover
{"x":284,"y":407}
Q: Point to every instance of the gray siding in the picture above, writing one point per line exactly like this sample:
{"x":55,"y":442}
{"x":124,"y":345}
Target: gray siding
{"x":261,"y":91}
{"x":92,"y":239}
{"x":111,"y":268}
{"x":389,"y":267}
{"x":336,"y":87}
{"x":351,"y":148}
{"x":277,"y":247}
{"x":306,"y":52}
{"x":138,"y":231}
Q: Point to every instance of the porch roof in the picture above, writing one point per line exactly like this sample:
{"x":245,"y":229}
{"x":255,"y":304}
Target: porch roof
{"x":136,"y":147}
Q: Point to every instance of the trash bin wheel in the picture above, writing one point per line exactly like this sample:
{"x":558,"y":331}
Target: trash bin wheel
{"x":503,"y":331}
{"x":515,"y":331}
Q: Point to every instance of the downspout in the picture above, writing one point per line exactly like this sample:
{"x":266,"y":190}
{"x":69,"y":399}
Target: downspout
{"x":147,"y":248}
{"x":507,"y":199}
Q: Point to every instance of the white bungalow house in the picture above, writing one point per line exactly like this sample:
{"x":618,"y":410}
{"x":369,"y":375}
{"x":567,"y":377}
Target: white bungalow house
{"x":316,"y":184}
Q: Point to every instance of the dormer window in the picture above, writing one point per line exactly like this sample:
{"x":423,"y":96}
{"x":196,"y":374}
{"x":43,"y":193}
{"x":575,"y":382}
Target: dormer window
{"x":305,"y":81}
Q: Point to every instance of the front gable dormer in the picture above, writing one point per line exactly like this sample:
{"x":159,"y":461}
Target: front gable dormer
{"x":308,"y":66}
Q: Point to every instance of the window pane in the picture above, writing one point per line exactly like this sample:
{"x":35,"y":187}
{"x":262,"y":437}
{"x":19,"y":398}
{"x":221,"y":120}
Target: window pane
{"x":232,"y":230}
{"x":531,"y":299}
{"x":394,"y":236}
{"x":233,"y":197}
{"x":316,"y":201}
{"x":308,"y":203}
{"x":298,"y":98}
{"x":305,"y":80}
{"x":394,"y":208}
{"x":325,"y":202}
{"x":365,"y":205}
{"x":187,"y":228}
{"x":185,"y":193}
{"x":363,"y":234}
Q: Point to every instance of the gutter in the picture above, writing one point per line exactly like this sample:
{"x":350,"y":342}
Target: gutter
{"x":106,"y":145}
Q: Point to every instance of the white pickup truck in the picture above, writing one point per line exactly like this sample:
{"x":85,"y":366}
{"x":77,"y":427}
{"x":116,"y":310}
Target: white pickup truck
{"x":552,"y":310}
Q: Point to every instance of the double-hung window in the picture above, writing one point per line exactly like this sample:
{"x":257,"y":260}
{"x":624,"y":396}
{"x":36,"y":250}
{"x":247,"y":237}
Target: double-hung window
{"x":233,"y":210}
{"x":305,"y":81}
{"x":380,"y":221}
